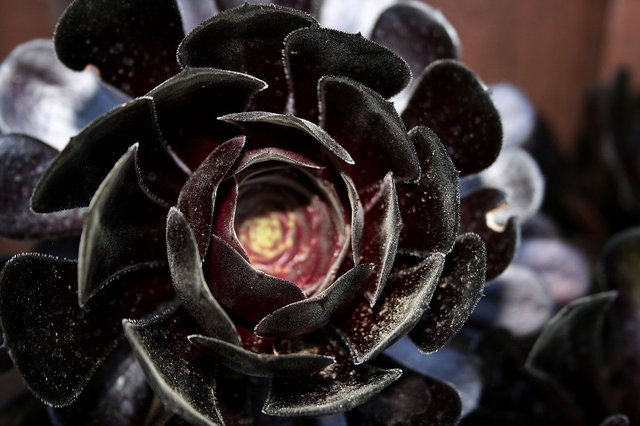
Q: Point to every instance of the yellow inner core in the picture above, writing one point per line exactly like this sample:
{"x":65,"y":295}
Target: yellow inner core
{"x":266,"y":237}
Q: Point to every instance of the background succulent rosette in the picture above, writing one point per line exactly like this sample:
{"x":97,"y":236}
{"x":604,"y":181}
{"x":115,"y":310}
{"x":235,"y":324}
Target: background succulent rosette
{"x":257,"y":219}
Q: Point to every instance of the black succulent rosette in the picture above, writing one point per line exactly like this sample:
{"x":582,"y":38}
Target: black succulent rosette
{"x":260,"y":222}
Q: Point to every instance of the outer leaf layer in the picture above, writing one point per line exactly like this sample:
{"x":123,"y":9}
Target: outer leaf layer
{"x":431,"y":209}
{"x":123,"y":51}
{"x":312,"y":53}
{"x":418,"y":33}
{"x":458,"y":292}
{"x":369,"y":128}
{"x":249,"y":40}
{"x":450,"y":100}
{"x":23,"y":160}
{"x":56,"y":345}
{"x":124,"y":230}
{"x":367,"y":330}
{"x":180,"y":376}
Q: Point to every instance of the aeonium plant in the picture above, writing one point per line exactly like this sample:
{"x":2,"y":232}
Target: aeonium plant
{"x":256,"y":218}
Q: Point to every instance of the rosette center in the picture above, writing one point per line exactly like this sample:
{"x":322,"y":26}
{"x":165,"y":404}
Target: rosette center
{"x":291,"y":226}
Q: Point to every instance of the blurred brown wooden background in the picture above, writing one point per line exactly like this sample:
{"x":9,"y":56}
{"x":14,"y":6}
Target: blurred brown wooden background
{"x":554,"y":50}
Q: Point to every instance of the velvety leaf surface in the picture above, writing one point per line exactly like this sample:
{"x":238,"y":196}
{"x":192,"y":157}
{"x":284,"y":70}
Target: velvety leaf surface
{"x":199,"y":192}
{"x":56,"y":344}
{"x":247,"y":39}
{"x":309,"y":6}
{"x":260,"y":365}
{"x":23,"y":160}
{"x":124,"y":230}
{"x":450,"y":100}
{"x":264,"y":130}
{"x":42,"y":98}
{"x":114,"y":37}
{"x":382,"y":225}
{"x":430,"y":210}
{"x":479,"y":213}
{"x":457,"y":293}
{"x":369,"y":128}
{"x":337,"y":388}
{"x":224,"y":215}
{"x":188,"y":280}
{"x":117,"y":395}
{"x":412,"y":400}
{"x":357,"y":218}
{"x":188,"y":104}
{"x":418,"y":33}
{"x":80,"y":168}
{"x":244,"y":291}
{"x":367,"y":330}
{"x":315,"y":312}
{"x":23,"y":409}
{"x":176,"y":370}
{"x":570,"y":348}
{"x":312,"y":53}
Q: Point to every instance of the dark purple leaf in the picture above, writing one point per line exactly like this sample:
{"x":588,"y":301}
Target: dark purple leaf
{"x":23,"y":160}
{"x":188,"y":104}
{"x":115,"y":39}
{"x":116,"y":395}
{"x":412,"y":400}
{"x":480,"y":212}
{"x":225,"y":214}
{"x":180,"y":375}
{"x":456,"y":295}
{"x":337,"y":388}
{"x":450,"y":100}
{"x":247,"y":39}
{"x":199,"y":192}
{"x":357,"y":218}
{"x":382,"y":225}
{"x":367,"y":330}
{"x":309,"y":6}
{"x":418,"y":33}
{"x":260,"y":365}
{"x":315,"y":312}
{"x":56,"y":344}
{"x":265,"y":129}
{"x":369,"y":128}
{"x":244,"y":291}
{"x":124,"y":230}
{"x":188,"y":280}
{"x":313,"y":53}
{"x":275,"y":155}
{"x":42,"y":98}
{"x":80,"y":168}
{"x":430,"y":209}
